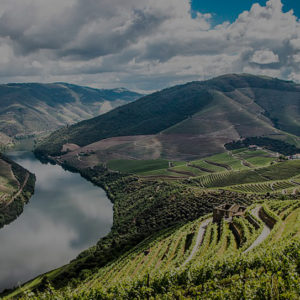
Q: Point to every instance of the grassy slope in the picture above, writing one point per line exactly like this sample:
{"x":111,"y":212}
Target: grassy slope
{"x":224,"y":114}
{"x":280,"y":171}
{"x":260,"y":178}
{"x":141,"y":207}
{"x":137,"y":166}
{"x":218,"y":269}
{"x":148,"y":115}
{"x":226,"y":161}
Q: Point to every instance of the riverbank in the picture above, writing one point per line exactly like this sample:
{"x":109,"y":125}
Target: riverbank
{"x":12,"y":205}
{"x":141,"y":208}
{"x":66,"y":215}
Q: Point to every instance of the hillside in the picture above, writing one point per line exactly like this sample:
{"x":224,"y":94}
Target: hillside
{"x":189,"y":121}
{"x":174,"y":265}
{"x":251,"y":257}
{"x":160,"y":242}
{"x":16,"y":188}
{"x":163,"y":163}
{"x":30,"y":109}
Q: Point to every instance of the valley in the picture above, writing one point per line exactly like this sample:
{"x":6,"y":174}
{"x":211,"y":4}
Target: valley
{"x":166,"y":162}
{"x":188,"y":121}
{"x":151,"y":203}
{"x":65,"y":215}
{"x":163,"y":241}
{"x":149,"y":150}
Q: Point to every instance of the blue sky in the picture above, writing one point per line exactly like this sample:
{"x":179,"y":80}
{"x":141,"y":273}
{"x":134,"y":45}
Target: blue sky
{"x":228,"y":10}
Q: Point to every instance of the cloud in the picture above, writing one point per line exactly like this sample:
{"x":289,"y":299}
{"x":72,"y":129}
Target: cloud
{"x":264,"y":57}
{"x":144,"y":45}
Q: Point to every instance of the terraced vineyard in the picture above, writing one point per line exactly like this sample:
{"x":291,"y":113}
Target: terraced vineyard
{"x":187,"y":170}
{"x":167,"y":251}
{"x":222,"y":162}
{"x":227,"y":159}
{"x":266,"y":187}
{"x":162,"y":266}
{"x":256,"y":158}
{"x":197,"y":258}
{"x":152,"y":157}
{"x":207,"y":167}
{"x":261,"y":179}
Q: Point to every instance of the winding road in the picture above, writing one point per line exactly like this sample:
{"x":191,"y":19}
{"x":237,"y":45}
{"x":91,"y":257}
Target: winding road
{"x":264,"y":234}
{"x":199,"y":240}
{"x":19,"y":191}
{"x":255,"y":212}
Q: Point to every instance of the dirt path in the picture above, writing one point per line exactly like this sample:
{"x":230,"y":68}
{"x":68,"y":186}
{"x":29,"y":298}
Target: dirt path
{"x":243,"y":161}
{"x":295,"y":189}
{"x":199,"y":240}
{"x":19,"y":191}
{"x":227,"y":167}
{"x":264,"y":234}
{"x":181,"y":172}
{"x":200,"y":168}
{"x":246,"y":163}
{"x":294,"y":182}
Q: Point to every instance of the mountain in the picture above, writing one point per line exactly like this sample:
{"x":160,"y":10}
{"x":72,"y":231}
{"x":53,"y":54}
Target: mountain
{"x":163,"y":243}
{"x":188,"y":121}
{"x":31,"y":109}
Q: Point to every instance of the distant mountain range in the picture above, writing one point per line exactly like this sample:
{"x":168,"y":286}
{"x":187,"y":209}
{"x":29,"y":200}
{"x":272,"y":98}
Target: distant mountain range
{"x":188,"y":121}
{"x":32,"y":108}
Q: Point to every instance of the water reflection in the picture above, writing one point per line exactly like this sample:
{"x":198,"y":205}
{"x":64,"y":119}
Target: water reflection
{"x":66,"y":215}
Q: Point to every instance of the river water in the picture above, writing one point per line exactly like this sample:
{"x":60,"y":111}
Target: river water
{"x":67,"y":214}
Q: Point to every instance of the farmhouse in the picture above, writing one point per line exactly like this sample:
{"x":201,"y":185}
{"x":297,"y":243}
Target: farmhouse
{"x":228,"y":211}
{"x":295,"y":156}
{"x":254,"y":147}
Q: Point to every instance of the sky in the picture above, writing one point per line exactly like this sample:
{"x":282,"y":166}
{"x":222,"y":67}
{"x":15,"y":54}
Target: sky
{"x":147,"y":45}
{"x":229,"y":10}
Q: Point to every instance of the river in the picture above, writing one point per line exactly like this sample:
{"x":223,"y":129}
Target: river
{"x":66,"y":214}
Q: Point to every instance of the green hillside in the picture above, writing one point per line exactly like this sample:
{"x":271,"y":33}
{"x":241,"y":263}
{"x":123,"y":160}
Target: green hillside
{"x":201,"y":260}
{"x":192,"y":120}
{"x":31,"y":109}
{"x":154,"y":247}
{"x":163,"y":163}
{"x":16,"y":188}
{"x":151,"y":114}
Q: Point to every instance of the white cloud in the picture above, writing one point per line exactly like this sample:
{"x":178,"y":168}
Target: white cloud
{"x":295,"y":43}
{"x":141,"y":44}
{"x":264,"y":57}
{"x":296,"y":58}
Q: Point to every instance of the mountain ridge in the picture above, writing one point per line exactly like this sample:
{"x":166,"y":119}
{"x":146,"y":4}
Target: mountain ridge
{"x":31,"y":109}
{"x":181,"y":119}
